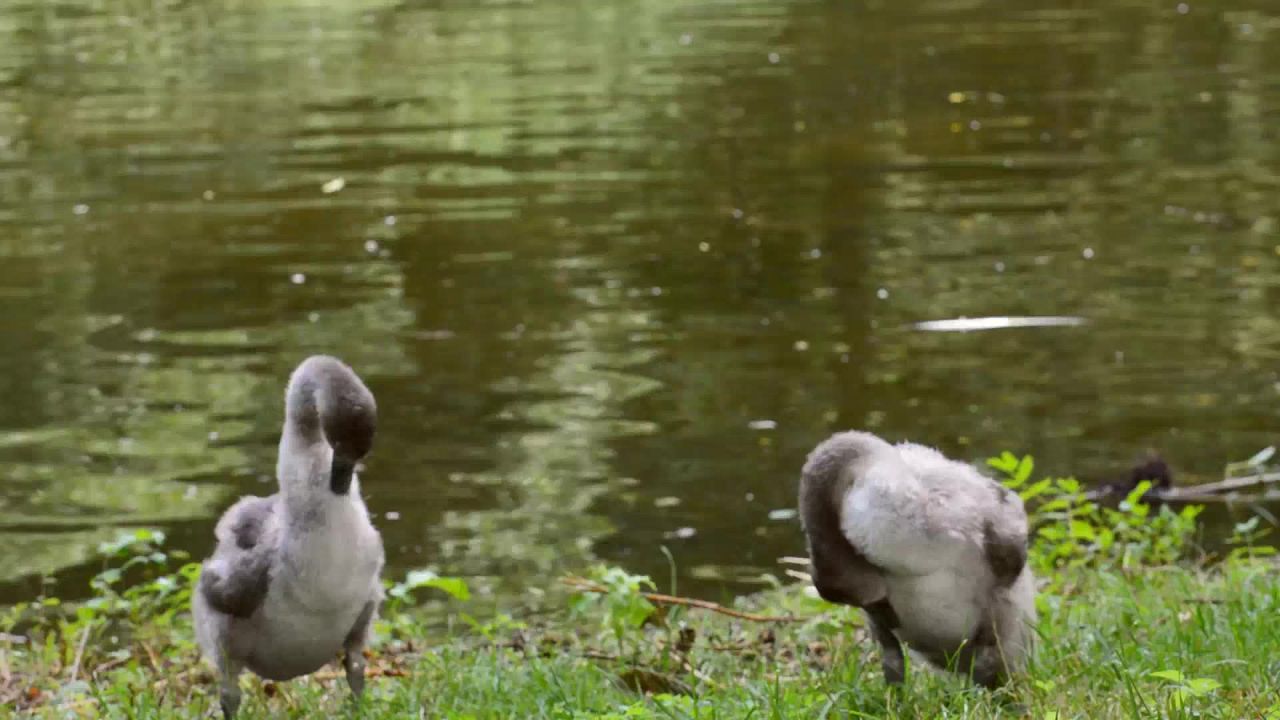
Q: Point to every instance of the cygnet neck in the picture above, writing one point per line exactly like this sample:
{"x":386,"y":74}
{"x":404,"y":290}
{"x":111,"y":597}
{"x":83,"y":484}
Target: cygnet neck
{"x":330,"y":420}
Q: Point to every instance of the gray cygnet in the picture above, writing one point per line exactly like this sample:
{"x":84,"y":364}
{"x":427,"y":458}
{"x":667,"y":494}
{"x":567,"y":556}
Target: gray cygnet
{"x":294,"y":578}
{"x":933,"y":551}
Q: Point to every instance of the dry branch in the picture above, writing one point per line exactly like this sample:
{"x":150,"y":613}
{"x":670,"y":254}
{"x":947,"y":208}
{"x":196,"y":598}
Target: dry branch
{"x":660,"y":599}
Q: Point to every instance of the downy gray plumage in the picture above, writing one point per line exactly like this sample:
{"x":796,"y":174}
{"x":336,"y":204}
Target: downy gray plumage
{"x":294,"y":578}
{"x":931,"y":549}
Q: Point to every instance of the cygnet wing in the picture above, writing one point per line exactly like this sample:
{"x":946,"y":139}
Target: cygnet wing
{"x":967,"y":505}
{"x":235,"y":580}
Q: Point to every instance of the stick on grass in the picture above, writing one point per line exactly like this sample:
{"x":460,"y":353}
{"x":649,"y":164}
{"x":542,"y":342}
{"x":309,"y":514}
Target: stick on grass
{"x":660,"y":599}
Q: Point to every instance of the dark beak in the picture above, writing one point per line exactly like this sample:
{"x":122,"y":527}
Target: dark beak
{"x":340,"y":474}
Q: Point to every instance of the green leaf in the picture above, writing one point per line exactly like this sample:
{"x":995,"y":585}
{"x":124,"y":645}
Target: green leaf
{"x":1006,"y":463}
{"x":1054,"y":505}
{"x":1171,"y":675}
{"x":636,"y":613}
{"x":109,"y":576}
{"x":1248,"y":526}
{"x":1036,"y":489}
{"x":1081,"y":530}
{"x":1053,"y":533}
{"x":579,"y":602}
{"x":1134,"y":499}
{"x":1023,"y":473}
{"x":1202,"y":686}
{"x":456,"y":587}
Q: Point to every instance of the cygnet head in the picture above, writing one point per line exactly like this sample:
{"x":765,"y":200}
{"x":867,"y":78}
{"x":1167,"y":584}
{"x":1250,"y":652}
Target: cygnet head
{"x":828,"y":464}
{"x":1151,"y":467}
{"x":326,"y":401}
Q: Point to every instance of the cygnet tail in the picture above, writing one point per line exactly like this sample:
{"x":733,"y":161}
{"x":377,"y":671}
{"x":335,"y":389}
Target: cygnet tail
{"x":327,"y":401}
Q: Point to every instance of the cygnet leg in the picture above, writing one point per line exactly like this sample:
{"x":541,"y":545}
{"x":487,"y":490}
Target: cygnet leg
{"x":988,"y":667}
{"x":229,"y":688}
{"x":353,"y":649}
{"x":882,"y":620}
{"x":988,"y":664}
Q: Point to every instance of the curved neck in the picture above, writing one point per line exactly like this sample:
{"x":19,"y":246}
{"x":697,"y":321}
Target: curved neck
{"x":304,"y":470}
{"x":329,"y":423}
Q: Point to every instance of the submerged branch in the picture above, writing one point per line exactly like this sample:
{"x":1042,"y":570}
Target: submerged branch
{"x":1221,"y":486}
{"x":1206,"y":492}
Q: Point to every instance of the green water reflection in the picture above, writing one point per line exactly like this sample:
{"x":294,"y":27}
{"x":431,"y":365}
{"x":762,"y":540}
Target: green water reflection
{"x":612,"y":268}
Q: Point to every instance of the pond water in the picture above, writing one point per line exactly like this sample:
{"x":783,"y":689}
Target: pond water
{"x":613,"y":268}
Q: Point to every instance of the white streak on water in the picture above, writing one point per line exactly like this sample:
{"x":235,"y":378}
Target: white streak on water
{"x":998,"y":323}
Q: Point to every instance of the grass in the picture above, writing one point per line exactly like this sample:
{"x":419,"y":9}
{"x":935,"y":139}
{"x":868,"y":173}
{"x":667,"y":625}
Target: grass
{"x":1129,"y":628}
{"x":1172,"y":641}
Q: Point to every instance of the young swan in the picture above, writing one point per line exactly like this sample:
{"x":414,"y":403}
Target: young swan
{"x":932,"y":550}
{"x":294,"y":578}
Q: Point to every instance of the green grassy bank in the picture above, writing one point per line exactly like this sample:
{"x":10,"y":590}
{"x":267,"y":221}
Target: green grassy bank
{"x":1130,"y":627}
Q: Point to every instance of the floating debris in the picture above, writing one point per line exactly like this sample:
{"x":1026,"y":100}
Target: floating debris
{"x":333,"y":185}
{"x":762,"y":424}
{"x":782,"y":514}
{"x":998,"y":323}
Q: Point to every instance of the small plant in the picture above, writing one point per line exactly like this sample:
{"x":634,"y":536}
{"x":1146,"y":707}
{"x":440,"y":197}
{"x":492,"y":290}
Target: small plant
{"x":1182,"y":690}
{"x":501,"y":624}
{"x":622,"y":604}
{"x":400,"y":595}
{"x":137,"y":596}
{"x":1072,"y":531}
{"x":137,"y":583}
{"x":1246,"y":541}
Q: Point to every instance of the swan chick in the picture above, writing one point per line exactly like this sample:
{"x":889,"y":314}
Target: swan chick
{"x":294,"y":579}
{"x":932,"y":550}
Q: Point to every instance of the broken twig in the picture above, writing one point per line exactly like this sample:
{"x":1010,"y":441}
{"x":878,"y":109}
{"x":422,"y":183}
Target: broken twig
{"x":660,"y":599}
{"x":75,"y":666}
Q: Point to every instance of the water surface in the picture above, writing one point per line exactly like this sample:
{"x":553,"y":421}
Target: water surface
{"x":613,"y":268}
